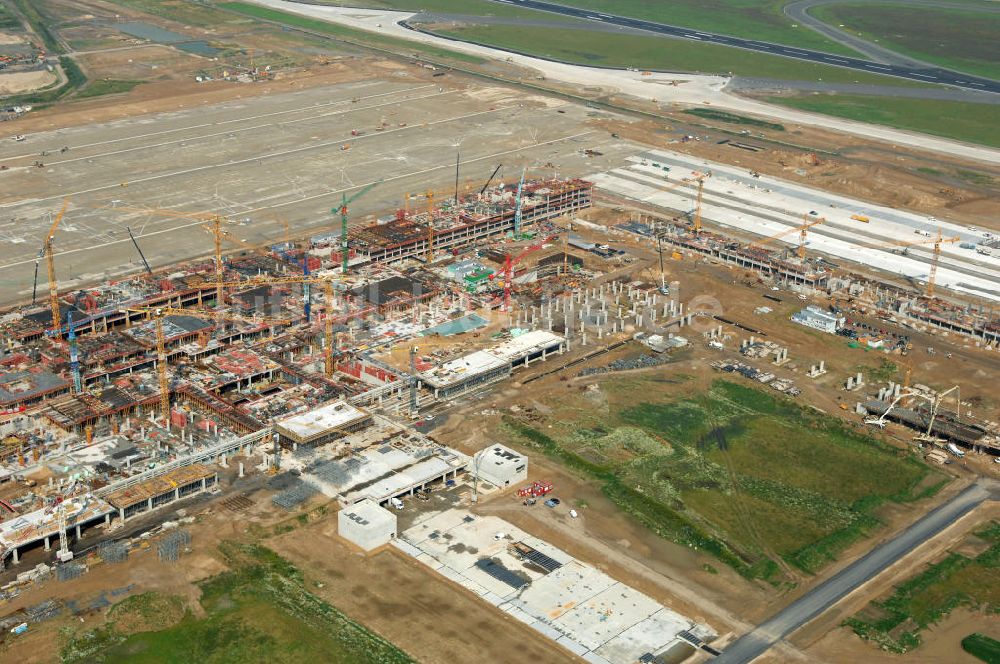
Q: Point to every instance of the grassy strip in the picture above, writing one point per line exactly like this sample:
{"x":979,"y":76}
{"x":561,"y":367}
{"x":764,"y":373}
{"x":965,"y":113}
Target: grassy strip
{"x":8,"y":20}
{"x":39,"y":24}
{"x":964,"y":121}
{"x":259,"y":611}
{"x":745,"y":18}
{"x":347,"y":34}
{"x":731,"y":118}
{"x":982,"y":647}
{"x":606,"y":49}
{"x":665,"y":522}
{"x":924,"y":599}
{"x":107,"y":87}
{"x":75,"y":79}
{"x":958,"y":39}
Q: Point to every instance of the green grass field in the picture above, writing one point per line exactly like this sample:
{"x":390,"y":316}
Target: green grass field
{"x":106,"y":87}
{"x":958,"y":39}
{"x":614,"y":50}
{"x":8,"y":20}
{"x":982,"y":647}
{"x":754,"y":19}
{"x":259,"y":611}
{"x":39,"y":24}
{"x":756,"y":481}
{"x":357,"y":36}
{"x":895,"y":623}
{"x":964,"y":121}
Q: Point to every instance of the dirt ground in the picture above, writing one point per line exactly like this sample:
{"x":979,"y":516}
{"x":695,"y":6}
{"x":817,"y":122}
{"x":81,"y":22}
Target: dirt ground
{"x":24,"y":81}
{"x":431,"y":618}
{"x":165,"y":96}
{"x":826,"y":640}
{"x":842,"y":164}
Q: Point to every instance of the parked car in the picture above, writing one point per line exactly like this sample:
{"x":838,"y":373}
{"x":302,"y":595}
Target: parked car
{"x":551,"y":502}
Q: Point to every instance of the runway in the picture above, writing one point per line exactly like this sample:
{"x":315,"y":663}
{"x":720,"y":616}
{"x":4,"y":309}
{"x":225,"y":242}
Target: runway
{"x":264,"y":159}
{"x":923,"y":75}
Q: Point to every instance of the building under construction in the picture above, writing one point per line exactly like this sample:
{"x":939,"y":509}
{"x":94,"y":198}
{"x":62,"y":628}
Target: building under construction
{"x":450,"y":226}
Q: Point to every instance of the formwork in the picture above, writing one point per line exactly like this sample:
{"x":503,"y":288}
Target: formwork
{"x":166,"y":488}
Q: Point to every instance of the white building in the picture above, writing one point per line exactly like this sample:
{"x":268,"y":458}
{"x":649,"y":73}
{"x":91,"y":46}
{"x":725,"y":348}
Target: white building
{"x":366,"y":525}
{"x":816,"y":318}
{"x":501,"y":466}
{"x":321,"y":425}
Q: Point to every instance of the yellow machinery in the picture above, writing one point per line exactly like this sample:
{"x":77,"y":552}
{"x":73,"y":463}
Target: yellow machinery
{"x":51,"y":262}
{"x":937,"y":241}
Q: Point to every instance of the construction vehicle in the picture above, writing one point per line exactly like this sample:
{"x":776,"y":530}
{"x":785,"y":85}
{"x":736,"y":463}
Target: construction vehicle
{"x":860,"y":217}
{"x":535,"y":490}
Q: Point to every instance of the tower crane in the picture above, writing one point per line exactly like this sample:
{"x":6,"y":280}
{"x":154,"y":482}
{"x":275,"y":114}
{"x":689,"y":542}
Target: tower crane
{"x":158,"y":314}
{"x":508,"y":269}
{"x":700,"y":177}
{"x":802,"y":230}
{"x":517,"y":205}
{"x":937,"y":241}
{"x":214,"y":226}
{"x":328,"y":331}
{"x":342,"y":211}
{"x":51,"y":262}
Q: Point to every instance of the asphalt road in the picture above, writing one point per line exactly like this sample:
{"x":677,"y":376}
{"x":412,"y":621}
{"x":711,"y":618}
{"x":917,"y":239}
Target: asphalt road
{"x":831,"y":591}
{"x":923,"y":75}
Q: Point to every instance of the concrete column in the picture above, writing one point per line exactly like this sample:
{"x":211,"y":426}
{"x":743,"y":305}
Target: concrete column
{"x":48,"y":545}
{"x":17,"y":558}
{"x":149,"y":502}
{"x":177,"y":493}
{"x":121,"y":514}
{"x":79,"y":533}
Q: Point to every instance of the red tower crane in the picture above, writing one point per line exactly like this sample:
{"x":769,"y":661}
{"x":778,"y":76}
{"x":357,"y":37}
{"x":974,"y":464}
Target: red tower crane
{"x":508,"y":268}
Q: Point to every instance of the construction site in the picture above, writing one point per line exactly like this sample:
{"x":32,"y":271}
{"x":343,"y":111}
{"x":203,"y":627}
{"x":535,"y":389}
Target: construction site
{"x":349,"y":295}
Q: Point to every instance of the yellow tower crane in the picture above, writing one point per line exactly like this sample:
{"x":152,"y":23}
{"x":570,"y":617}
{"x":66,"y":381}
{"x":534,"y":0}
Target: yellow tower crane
{"x":214,"y":226}
{"x":937,"y":241}
{"x":51,"y":263}
{"x":808,"y":222}
{"x":700,"y":177}
{"x":158,"y":314}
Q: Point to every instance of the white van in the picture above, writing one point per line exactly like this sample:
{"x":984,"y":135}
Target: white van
{"x":396,"y":503}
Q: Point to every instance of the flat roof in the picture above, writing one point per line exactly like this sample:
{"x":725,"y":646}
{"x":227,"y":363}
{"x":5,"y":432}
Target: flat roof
{"x":319,"y":421}
{"x":499,"y":455}
{"x":32,"y":526}
{"x":369,"y":514}
{"x":159,"y":485}
{"x":525,"y":344}
{"x":462,"y":368}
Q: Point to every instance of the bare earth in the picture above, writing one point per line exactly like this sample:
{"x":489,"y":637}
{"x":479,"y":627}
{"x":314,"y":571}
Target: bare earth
{"x":24,"y":81}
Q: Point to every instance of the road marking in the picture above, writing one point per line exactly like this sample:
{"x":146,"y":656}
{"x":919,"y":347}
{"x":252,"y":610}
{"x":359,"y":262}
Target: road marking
{"x":877,"y":67}
{"x":925,"y":76}
{"x":242,"y":129}
{"x":449,"y":165}
{"x":223,"y":122}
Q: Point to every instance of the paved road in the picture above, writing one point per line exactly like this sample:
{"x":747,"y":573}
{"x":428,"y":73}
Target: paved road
{"x":831,"y":591}
{"x":799,"y":12}
{"x":923,"y":75}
